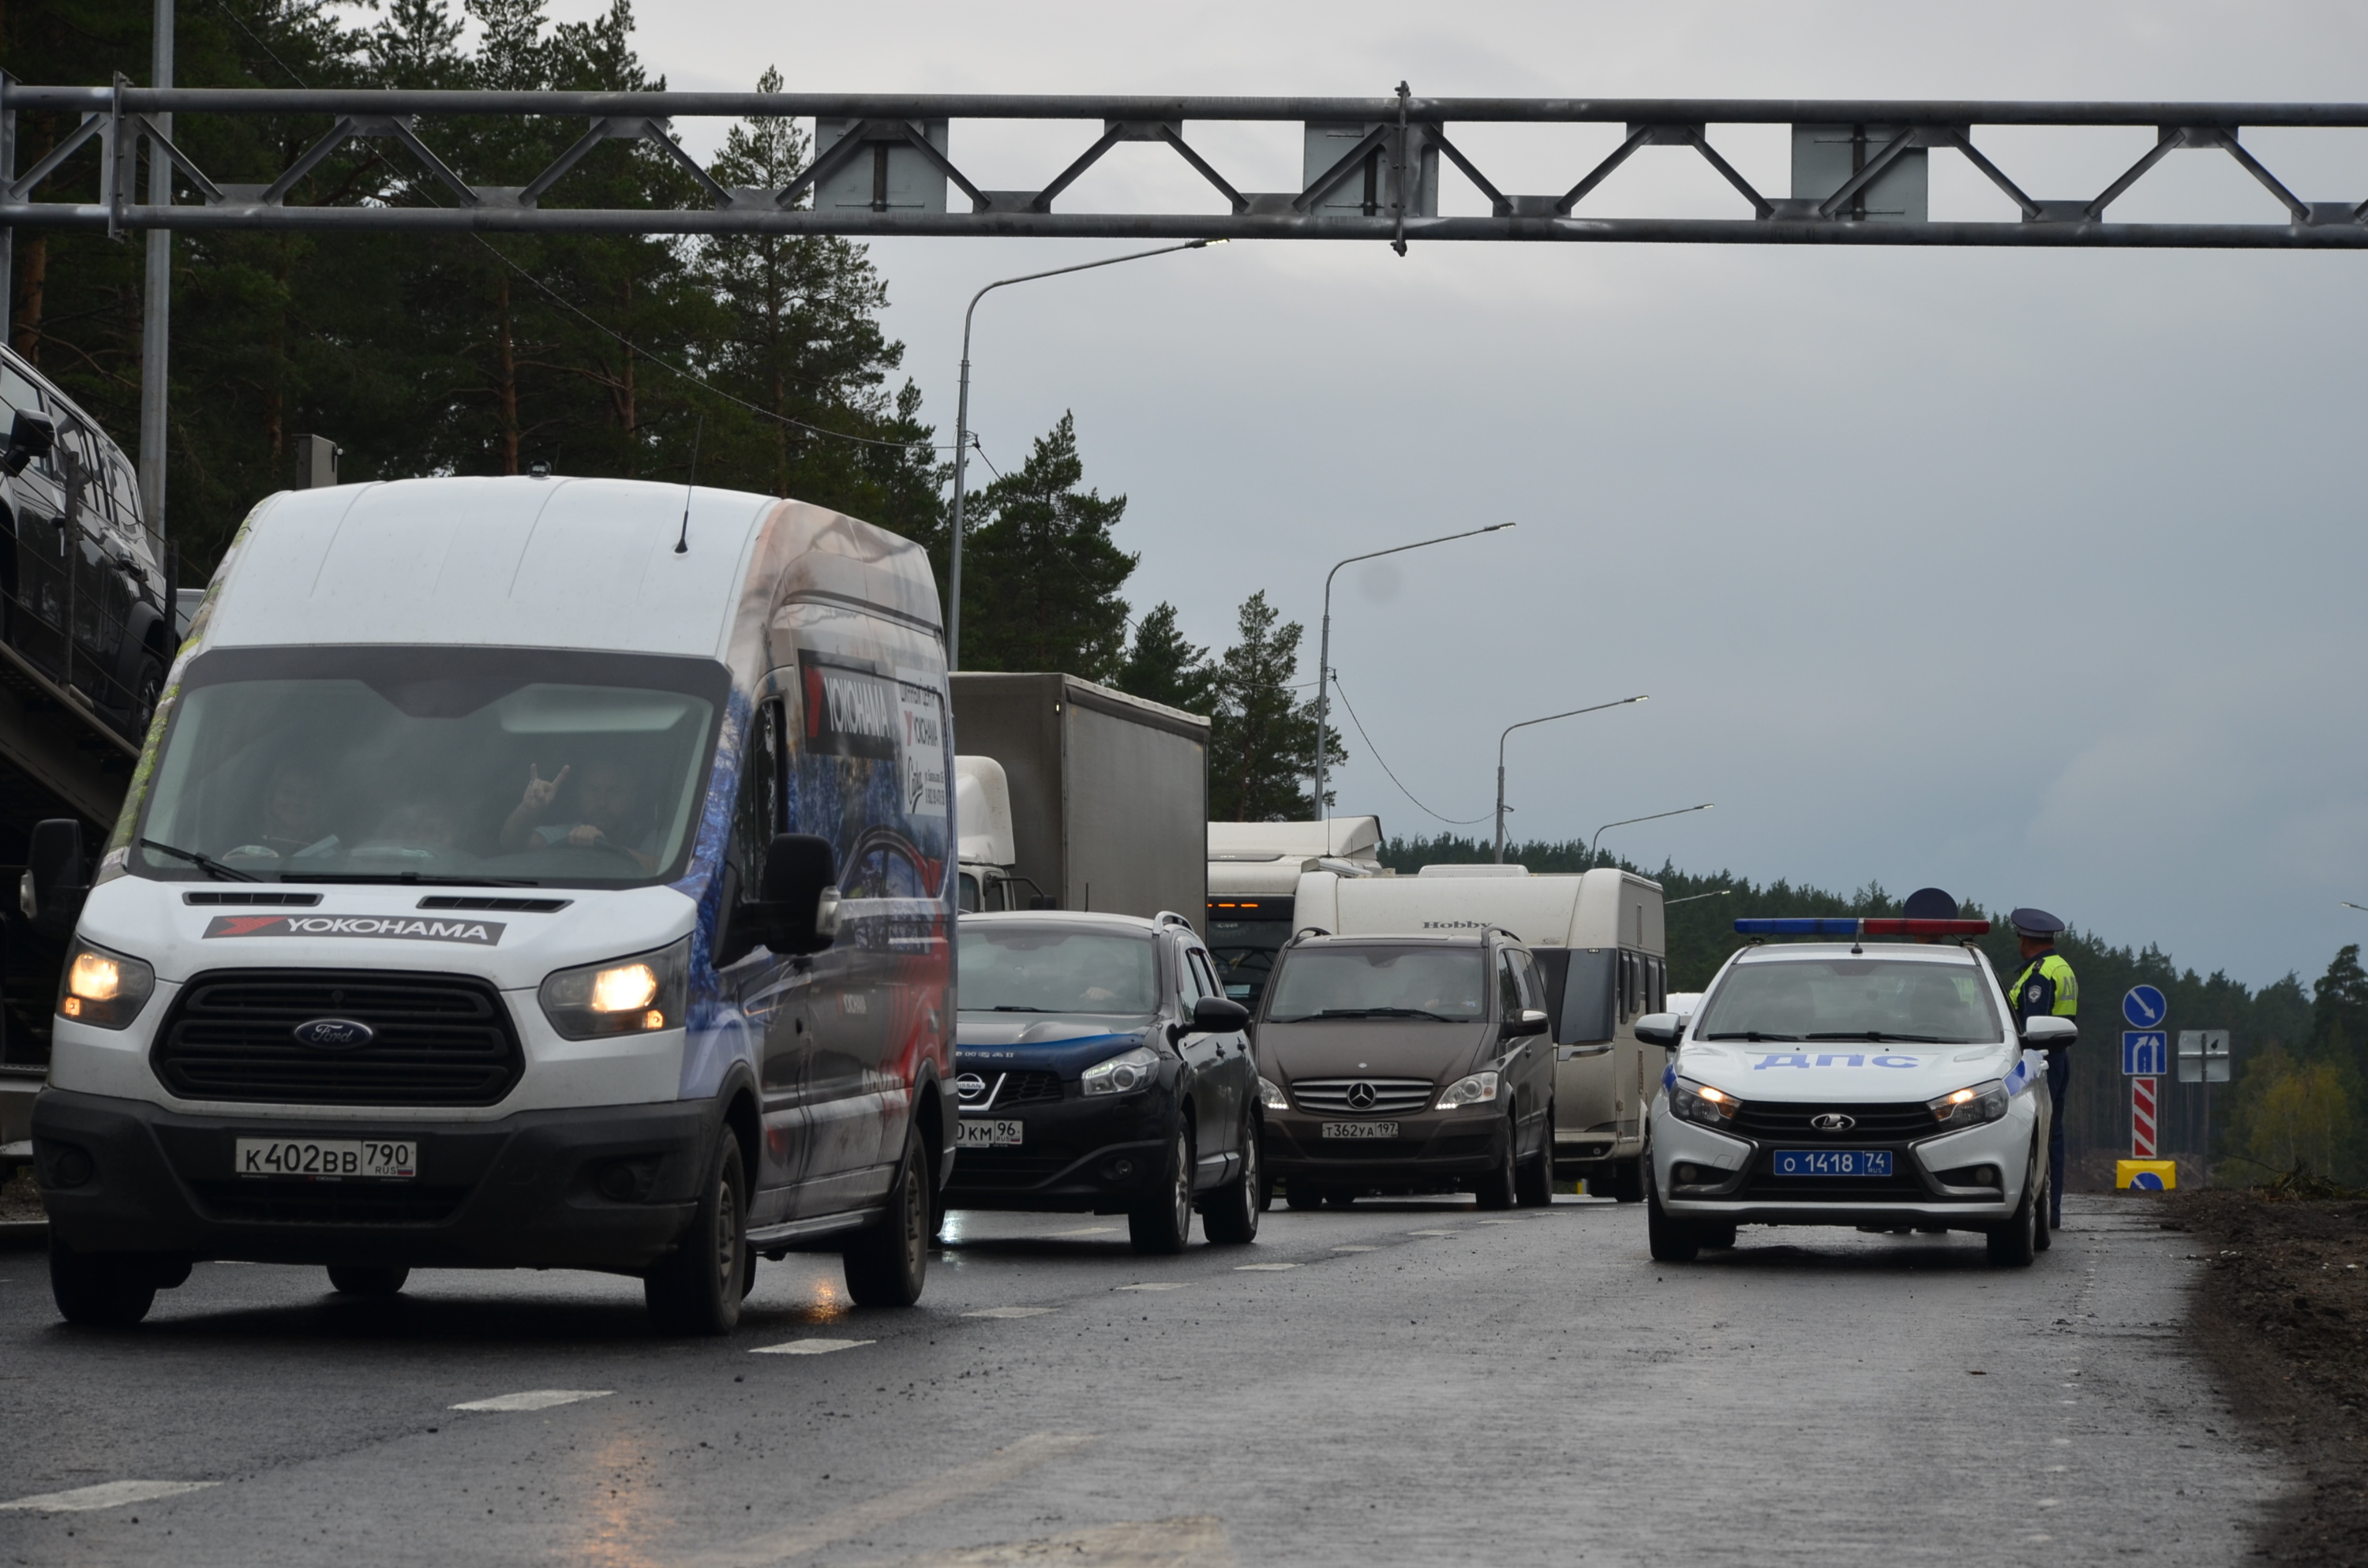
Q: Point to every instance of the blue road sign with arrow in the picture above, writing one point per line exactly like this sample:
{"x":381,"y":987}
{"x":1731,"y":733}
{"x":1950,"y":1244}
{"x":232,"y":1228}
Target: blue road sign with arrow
{"x":2145,"y":1053}
{"x":2145,"y":1007}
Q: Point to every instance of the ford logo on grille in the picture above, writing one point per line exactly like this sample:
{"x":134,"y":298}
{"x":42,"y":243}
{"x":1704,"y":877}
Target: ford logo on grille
{"x":334,"y":1034}
{"x":1361,"y":1096}
{"x":970,"y":1086}
{"x":1833,"y":1121}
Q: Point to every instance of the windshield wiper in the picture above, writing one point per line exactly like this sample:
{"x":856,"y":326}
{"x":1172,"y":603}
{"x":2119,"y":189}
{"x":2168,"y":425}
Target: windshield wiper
{"x":1013,"y":1007}
{"x":1382,"y":1013}
{"x":407,"y":879}
{"x":205,"y":863}
{"x":1755,"y":1036}
{"x":1876,"y":1037}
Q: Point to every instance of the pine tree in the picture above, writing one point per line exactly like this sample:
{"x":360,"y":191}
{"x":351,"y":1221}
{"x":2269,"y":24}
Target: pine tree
{"x":1262,"y":746}
{"x":1163,"y":666}
{"x":1041,"y":576}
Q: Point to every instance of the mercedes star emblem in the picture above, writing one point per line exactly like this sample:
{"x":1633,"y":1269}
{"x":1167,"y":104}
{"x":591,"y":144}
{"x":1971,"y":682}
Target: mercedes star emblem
{"x":1361,"y":1096}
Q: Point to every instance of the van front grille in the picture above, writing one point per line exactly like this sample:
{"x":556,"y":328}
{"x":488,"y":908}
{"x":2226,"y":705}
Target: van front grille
{"x":436,"y":1040}
{"x":1361,"y":1096}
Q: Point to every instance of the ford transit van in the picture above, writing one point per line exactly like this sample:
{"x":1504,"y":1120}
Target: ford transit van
{"x":525,"y":872}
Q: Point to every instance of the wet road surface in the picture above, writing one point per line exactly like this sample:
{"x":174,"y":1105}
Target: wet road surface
{"x":1410,"y":1382}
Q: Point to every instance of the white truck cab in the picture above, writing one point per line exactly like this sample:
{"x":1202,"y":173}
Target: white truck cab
{"x":523,"y":872}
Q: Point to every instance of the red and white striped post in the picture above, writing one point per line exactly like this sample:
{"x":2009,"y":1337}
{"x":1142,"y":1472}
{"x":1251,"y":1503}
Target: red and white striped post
{"x":2142,"y":1104}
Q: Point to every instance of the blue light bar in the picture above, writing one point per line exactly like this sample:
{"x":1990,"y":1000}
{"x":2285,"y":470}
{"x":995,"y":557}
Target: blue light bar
{"x":1799,"y":926}
{"x":1877,"y":925}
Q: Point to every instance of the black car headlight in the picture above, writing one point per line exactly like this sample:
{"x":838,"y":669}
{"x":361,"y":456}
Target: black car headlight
{"x":1123,"y":1073}
{"x":628,"y":996}
{"x":1971,"y":1107}
{"x":1699,"y":1102}
{"x":104,"y":987}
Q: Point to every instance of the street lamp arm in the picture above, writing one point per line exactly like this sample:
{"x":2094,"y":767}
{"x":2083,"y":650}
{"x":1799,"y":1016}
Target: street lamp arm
{"x":1524,"y":724}
{"x":1395,"y":549}
{"x":1655,"y":816}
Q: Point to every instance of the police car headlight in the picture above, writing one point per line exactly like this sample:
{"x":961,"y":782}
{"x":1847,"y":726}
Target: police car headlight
{"x":1271,"y":1094}
{"x":1970,"y":1108}
{"x":628,"y":996}
{"x":1478,"y":1089}
{"x":1699,"y":1102}
{"x":1123,"y":1073}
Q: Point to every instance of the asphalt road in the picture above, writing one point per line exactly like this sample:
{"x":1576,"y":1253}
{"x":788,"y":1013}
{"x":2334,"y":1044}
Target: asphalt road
{"x":1406,"y":1382}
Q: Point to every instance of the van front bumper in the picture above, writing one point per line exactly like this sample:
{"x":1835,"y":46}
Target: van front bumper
{"x":518,"y":1192}
{"x":1434,"y":1150}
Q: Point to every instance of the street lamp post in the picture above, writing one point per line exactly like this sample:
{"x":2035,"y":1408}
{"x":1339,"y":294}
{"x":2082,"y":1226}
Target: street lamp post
{"x":1623,"y":822}
{"x":1524,"y":724}
{"x":962,"y":424}
{"x":1324,"y":654}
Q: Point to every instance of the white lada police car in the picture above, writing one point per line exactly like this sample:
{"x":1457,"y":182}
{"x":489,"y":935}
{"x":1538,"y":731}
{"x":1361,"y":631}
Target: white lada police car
{"x":1836,"y":1084}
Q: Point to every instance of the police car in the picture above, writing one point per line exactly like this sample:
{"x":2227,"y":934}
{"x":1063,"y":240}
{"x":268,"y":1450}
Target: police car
{"x":1836,"y":1084}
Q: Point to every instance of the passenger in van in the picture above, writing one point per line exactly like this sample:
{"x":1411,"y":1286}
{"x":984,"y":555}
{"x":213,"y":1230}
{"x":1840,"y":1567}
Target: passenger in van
{"x":610,"y":813}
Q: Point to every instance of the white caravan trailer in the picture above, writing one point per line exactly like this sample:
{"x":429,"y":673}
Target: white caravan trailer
{"x":1254,"y":869}
{"x":1597,"y":936}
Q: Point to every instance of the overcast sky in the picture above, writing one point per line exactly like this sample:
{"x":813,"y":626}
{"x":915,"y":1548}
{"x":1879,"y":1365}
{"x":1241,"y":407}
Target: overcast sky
{"x":2038,"y":577}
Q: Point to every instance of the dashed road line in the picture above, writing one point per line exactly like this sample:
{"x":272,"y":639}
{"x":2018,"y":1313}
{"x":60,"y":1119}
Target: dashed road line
{"x":106,"y":1495}
{"x":810,"y":1346}
{"x":1157,"y":1285}
{"x":1353,"y":1247}
{"x":535,"y":1399}
{"x":1009,"y":1313}
{"x":1430,"y":1232}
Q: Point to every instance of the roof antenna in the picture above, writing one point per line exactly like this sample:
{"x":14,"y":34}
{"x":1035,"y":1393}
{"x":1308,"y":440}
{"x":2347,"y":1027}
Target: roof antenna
{"x":682,"y":541}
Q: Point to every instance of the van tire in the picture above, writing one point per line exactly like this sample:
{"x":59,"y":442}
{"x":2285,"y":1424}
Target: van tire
{"x":1534,"y":1183}
{"x":367,"y":1280}
{"x":97,"y":1289}
{"x":1301,"y":1193}
{"x":1627,"y":1183}
{"x":888,"y":1263}
{"x":1161,"y":1224}
{"x":1230,"y":1217}
{"x":697,"y":1288}
{"x":1497,"y":1189}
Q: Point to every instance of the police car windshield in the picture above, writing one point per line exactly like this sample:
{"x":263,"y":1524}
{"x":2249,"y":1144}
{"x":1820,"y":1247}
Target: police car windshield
{"x":1868,"y":998}
{"x":1037,"y":969}
{"x":1442,"y":985}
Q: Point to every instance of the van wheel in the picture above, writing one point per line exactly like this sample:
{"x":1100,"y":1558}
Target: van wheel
{"x":1301,"y":1193}
{"x":888,"y":1263}
{"x":1231,"y":1216}
{"x":2014,"y":1244}
{"x":100,"y":1289}
{"x":1533,"y":1184}
{"x":366,"y":1279}
{"x":1496,"y":1190}
{"x":1162,"y":1223}
{"x":697,"y":1288}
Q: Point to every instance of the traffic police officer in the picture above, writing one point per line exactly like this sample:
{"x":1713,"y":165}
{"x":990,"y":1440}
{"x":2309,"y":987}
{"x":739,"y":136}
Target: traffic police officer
{"x":2047,"y":988}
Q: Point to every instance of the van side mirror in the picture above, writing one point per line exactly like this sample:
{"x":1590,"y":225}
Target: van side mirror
{"x":1218,"y":1014}
{"x":2041,"y":1033}
{"x":797,"y":907}
{"x":54,"y":883}
{"x":30,"y":436}
{"x":1528,"y":1020}
{"x":1660,"y":1028}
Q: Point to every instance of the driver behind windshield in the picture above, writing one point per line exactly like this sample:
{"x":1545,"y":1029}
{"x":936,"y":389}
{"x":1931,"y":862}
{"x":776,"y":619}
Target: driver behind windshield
{"x":608,"y":814}
{"x":295,"y":814}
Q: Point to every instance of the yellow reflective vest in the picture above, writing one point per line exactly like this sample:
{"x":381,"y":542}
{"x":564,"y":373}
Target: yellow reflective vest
{"x":2045,"y":988}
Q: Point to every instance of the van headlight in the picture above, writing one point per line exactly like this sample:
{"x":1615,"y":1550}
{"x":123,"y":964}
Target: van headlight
{"x":1122,"y":1073}
{"x":1271,"y":1094}
{"x":1970,"y":1108}
{"x":627,"y":995}
{"x":1477,"y":1089}
{"x":1699,"y":1102}
{"x":104,"y":987}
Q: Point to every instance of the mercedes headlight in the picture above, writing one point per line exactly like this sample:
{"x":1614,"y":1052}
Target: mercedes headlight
{"x":104,"y":987}
{"x":1271,"y":1094}
{"x":627,"y":995}
{"x":1478,"y":1089}
{"x":1699,"y":1102}
{"x":1123,"y":1073}
{"x":1970,"y":1108}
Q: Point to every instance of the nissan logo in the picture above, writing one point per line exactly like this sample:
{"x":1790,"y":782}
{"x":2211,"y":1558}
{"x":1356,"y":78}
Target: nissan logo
{"x":334,"y":1034}
{"x":1833,"y":1121}
{"x":970,"y":1086}
{"x":1361,"y":1096}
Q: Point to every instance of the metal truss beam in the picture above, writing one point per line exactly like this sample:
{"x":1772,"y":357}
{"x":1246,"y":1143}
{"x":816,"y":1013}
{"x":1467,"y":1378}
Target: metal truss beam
{"x":1401,"y":136}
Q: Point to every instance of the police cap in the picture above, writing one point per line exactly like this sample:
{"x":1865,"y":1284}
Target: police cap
{"x":1930,"y":903}
{"x":2035,"y":922}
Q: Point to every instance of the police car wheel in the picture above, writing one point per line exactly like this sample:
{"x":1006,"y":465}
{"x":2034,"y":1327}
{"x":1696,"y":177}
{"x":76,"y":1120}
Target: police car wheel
{"x":2014,"y":1244}
{"x":1715,"y":1238}
{"x":1672,"y":1241}
{"x":2042,"y":1235}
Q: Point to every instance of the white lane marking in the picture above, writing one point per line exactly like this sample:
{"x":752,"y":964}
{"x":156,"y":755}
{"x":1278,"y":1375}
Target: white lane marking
{"x":1354,"y":1248}
{"x":535,"y":1399}
{"x":999,"y":1468}
{"x":1501,"y":1222}
{"x":1009,"y":1313}
{"x":1161,"y":1285}
{"x":1430,"y":1232}
{"x":810,"y":1346}
{"x":1262,"y":1268}
{"x":106,"y":1495}
{"x":2049,"y":1502}
{"x":1089,"y":1231}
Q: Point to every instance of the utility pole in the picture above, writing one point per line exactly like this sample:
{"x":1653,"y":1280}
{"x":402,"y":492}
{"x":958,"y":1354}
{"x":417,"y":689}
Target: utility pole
{"x":156,"y":304}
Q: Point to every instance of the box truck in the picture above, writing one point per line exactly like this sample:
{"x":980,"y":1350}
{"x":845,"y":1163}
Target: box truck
{"x":1254,"y":869}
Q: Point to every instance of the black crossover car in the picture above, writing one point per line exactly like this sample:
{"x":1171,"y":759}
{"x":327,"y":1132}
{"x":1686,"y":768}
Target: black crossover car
{"x":1101,"y":1070}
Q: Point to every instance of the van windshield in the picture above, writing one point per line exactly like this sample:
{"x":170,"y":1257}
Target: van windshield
{"x":483,"y":766}
{"x":1846,"y":999}
{"x":1021,"y":968}
{"x":1450,"y":984}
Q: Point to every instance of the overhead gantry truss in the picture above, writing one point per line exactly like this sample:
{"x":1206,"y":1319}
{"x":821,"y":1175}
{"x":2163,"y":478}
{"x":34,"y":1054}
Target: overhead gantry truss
{"x":1371,"y":170}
